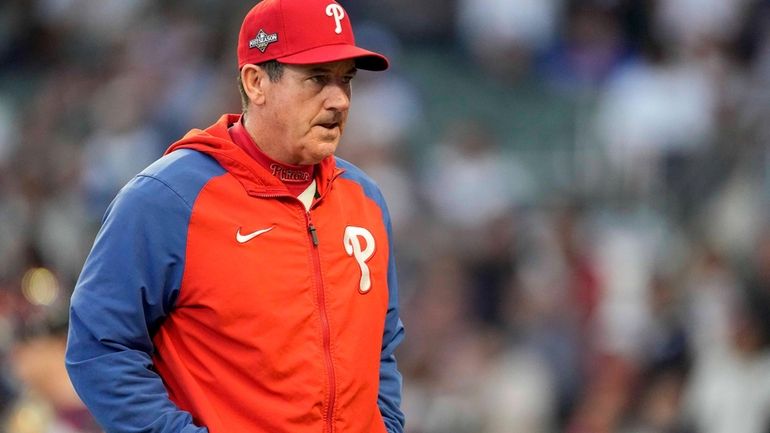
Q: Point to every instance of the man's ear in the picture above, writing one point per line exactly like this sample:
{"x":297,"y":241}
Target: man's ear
{"x":254,"y":80}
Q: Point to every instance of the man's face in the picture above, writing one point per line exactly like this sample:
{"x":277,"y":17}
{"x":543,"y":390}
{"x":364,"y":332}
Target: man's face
{"x":306,"y":110}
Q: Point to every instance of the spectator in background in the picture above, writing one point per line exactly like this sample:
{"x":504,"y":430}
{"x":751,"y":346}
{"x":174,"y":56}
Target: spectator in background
{"x":691,"y":23}
{"x":590,"y":48}
{"x":711,"y":290}
{"x":48,"y":403}
{"x":122,"y":146}
{"x":516,"y":390}
{"x":423,"y":22}
{"x":91,"y":20}
{"x":652,"y":113}
{"x":729,"y":390}
{"x":484,"y":184}
{"x":503,"y":36}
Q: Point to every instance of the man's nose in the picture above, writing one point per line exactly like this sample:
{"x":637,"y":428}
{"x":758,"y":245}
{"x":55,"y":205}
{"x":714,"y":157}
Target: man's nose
{"x":338,"y":97}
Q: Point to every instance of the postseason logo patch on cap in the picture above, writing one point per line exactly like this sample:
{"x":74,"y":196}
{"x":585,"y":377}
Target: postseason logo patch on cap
{"x":263,"y":40}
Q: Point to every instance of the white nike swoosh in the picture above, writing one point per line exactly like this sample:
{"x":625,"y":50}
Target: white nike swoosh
{"x":245,"y":238}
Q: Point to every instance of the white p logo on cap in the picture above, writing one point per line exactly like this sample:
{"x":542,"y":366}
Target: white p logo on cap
{"x":336,"y":11}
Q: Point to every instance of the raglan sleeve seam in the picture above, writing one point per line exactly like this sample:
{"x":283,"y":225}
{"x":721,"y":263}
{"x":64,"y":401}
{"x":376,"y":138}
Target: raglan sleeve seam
{"x":171,"y":188}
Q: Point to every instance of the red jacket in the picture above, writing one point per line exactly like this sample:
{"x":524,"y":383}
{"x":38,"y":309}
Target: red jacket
{"x":260,"y":315}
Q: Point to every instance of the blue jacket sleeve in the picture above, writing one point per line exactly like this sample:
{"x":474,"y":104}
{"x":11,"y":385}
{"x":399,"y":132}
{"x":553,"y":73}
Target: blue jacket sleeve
{"x":128,"y":285}
{"x":389,"y":399}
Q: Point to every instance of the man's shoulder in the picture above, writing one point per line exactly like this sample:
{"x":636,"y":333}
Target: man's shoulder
{"x":182,"y":165}
{"x":354,"y":173}
{"x":184,"y":171}
{"x":357,"y":175}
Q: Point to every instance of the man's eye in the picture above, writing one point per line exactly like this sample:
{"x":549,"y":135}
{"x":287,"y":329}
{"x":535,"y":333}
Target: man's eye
{"x":320,"y":79}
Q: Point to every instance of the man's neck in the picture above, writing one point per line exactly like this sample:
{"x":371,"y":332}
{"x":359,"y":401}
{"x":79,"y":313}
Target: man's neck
{"x":296,"y":178}
{"x":267,"y":147}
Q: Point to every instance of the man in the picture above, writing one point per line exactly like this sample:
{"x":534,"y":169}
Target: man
{"x":245,"y":281}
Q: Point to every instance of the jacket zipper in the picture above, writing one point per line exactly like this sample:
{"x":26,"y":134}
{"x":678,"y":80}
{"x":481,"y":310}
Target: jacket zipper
{"x":321,"y":299}
{"x":325,"y":328}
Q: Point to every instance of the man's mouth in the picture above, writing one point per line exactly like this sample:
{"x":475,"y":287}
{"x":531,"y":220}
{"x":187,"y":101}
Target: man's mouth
{"x":330,"y":125}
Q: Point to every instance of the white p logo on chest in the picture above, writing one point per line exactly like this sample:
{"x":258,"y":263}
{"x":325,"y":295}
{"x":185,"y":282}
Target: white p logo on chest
{"x":336,"y":11}
{"x":352,"y":241}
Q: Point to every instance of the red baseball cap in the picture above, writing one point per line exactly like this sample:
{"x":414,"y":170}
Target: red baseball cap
{"x":302,"y":32}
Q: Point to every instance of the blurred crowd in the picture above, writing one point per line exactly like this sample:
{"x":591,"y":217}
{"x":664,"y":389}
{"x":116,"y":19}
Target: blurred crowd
{"x":580,"y":191}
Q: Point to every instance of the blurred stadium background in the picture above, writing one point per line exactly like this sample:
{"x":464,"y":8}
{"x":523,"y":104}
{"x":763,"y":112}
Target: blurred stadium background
{"x":580,"y":191}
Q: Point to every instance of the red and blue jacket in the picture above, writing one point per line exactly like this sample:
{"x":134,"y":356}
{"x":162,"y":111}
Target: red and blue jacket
{"x":212,"y":300}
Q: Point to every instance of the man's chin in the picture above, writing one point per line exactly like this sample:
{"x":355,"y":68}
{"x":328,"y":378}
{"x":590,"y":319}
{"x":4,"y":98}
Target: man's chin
{"x":319,"y":151}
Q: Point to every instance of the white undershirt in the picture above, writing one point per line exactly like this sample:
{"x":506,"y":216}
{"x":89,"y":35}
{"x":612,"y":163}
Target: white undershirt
{"x":306,"y":197}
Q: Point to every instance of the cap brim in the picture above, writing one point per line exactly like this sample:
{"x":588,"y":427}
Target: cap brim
{"x":365,"y":59}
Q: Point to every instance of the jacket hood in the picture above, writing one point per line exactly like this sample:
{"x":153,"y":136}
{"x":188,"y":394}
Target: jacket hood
{"x":215,"y":141}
